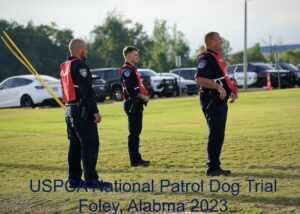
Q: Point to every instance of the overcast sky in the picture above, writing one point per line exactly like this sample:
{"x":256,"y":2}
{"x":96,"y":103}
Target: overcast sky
{"x":279,"y":18}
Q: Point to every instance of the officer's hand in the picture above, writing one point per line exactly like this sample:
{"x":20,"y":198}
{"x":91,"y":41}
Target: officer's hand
{"x":97,"y":118}
{"x":222,"y":92}
{"x":233,"y":97}
{"x":146,"y":99}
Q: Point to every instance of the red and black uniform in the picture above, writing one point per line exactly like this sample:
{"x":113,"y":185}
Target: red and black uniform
{"x":78,"y":83}
{"x":133,"y":106}
{"x":210,"y":65}
{"x":79,"y":98}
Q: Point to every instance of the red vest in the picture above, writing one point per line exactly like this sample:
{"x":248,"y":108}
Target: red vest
{"x":68,"y":92}
{"x":222,"y":65}
{"x":143,"y":91}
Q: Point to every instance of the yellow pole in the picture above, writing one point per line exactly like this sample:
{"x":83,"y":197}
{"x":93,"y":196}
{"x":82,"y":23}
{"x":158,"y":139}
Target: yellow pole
{"x":28,"y":65}
{"x":18,"y":57}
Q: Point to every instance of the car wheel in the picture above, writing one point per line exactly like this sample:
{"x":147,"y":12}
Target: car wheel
{"x":160,"y":95}
{"x":151,"y":93}
{"x":169,"y":94}
{"x":101,"y":99}
{"x":26,"y":101}
{"x":117,"y":93}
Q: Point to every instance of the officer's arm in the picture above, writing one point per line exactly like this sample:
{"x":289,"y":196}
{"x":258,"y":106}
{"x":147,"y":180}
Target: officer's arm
{"x":207,"y":83}
{"x":85,"y":87}
{"x":130,"y":82}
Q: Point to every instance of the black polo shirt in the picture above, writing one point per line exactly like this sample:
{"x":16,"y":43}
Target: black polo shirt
{"x":208,"y":67}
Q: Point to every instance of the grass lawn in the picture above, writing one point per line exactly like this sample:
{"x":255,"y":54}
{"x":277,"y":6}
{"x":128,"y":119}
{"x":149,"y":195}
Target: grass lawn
{"x":262,"y":143}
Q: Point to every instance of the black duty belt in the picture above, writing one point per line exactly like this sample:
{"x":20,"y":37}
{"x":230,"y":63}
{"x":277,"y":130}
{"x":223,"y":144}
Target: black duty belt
{"x":73,"y":104}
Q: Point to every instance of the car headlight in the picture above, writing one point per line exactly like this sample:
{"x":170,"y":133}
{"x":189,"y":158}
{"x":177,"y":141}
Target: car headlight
{"x":155,"y":82}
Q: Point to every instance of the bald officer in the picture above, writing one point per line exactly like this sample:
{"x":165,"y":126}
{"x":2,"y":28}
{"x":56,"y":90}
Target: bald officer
{"x":217,"y":88}
{"x":81,"y":115}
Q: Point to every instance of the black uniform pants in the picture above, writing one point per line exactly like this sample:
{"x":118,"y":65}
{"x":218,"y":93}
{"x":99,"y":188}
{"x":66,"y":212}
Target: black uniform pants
{"x":135,"y":122}
{"x":216,"y":121}
{"x":84,"y":145}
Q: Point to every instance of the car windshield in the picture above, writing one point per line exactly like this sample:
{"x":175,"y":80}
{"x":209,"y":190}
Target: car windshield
{"x":147,"y":73}
{"x":264,"y":66}
{"x":172,"y":75}
{"x":289,"y":66}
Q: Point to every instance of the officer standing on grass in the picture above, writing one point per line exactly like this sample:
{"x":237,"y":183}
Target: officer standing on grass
{"x":81,"y":115}
{"x":217,"y":88}
{"x":135,"y":96}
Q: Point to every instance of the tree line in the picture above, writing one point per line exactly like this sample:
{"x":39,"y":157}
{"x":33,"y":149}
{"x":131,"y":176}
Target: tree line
{"x":46,"y":46}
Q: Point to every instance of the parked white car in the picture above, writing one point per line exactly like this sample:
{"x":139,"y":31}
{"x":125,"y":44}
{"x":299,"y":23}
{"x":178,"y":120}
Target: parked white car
{"x":161,"y":85}
{"x":26,"y":91}
{"x":187,"y":86}
{"x":237,"y":75}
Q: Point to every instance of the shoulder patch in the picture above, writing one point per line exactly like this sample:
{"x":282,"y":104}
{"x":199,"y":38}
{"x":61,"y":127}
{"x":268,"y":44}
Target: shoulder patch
{"x":127,"y":72}
{"x":202,"y":64}
{"x":83,"y":72}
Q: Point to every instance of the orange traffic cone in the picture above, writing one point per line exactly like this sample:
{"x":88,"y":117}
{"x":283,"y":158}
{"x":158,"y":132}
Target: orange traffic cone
{"x":269,"y":86}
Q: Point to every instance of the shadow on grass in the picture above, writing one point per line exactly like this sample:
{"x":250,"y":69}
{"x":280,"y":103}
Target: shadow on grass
{"x":278,"y":200}
{"x":32,"y":166}
{"x":170,"y":169}
{"x":266,"y":175}
{"x":295,"y":167}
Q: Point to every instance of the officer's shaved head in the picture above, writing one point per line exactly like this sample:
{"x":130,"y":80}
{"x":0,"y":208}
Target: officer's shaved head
{"x":213,"y":41}
{"x":76,"y":44}
{"x":210,"y":36}
{"x":78,"y":48}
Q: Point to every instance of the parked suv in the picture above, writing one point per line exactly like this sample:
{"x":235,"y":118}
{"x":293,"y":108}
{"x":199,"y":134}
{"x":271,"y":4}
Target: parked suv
{"x":186,"y":73}
{"x":100,"y":87}
{"x":290,"y":67}
{"x":161,"y":85}
{"x":261,"y":69}
{"x":112,"y":76}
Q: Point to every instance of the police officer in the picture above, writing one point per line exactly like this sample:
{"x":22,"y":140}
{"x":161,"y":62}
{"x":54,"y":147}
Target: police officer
{"x":136,"y":96}
{"x":217,"y":88}
{"x":81,"y":115}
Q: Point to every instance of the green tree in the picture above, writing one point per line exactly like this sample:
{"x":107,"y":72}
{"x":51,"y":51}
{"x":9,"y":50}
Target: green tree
{"x":45,"y":46}
{"x":168,"y":42}
{"x":253,"y":54}
{"x":290,"y":56}
{"x":226,"y":49}
{"x":109,"y":39}
{"x":236,"y":58}
{"x":180,"y":47}
{"x":112,"y":36}
{"x":160,"y":50}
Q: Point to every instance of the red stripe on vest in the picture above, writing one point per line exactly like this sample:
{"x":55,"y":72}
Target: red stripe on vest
{"x":68,"y":92}
{"x":141,"y":86}
{"x":222,"y":65}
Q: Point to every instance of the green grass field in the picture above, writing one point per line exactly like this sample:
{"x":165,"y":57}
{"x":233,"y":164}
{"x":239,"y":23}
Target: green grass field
{"x":262,"y":142}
